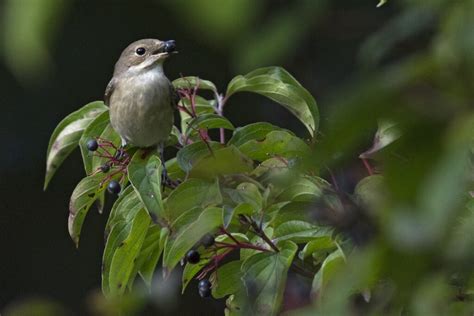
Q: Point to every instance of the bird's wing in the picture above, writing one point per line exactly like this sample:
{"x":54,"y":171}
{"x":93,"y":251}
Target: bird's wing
{"x":174,"y":96}
{"x":108,"y":91}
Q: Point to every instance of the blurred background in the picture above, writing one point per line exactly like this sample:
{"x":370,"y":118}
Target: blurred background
{"x":410,"y":60}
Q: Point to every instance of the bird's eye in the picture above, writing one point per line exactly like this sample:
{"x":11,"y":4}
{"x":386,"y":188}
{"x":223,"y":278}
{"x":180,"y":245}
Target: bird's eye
{"x":140,"y":51}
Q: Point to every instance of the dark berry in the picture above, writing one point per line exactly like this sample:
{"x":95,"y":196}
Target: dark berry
{"x":204,"y":284}
{"x":114,"y":187}
{"x":207,"y":240}
{"x":193,"y":256}
{"x":170,"y":46}
{"x":92,"y":145}
{"x":204,"y":292}
{"x":105,"y":168}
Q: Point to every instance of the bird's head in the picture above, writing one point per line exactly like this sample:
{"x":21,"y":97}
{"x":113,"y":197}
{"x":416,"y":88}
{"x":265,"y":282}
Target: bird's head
{"x":144,"y":54}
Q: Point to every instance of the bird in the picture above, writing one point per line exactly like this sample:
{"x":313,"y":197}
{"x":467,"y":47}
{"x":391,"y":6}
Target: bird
{"x":140,"y":97}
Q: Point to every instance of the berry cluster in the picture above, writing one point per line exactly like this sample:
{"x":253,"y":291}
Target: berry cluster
{"x":118,"y":160}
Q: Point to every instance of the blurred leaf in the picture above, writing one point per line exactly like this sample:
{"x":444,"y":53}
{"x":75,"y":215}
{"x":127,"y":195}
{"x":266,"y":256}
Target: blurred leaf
{"x":371,"y":192}
{"x":387,"y":133}
{"x":324,"y":243}
{"x":223,"y":161}
{"x":265,"y":274}
{"x":29,"y":27}
{"x":84,"y":195}
{"x":190,"y":154}
{"x":176,"y":248}
{"x":190,"y":194}
{"x":144,"y":172}
{"x":277,"y":84}
{"x":330,"y":267}
{"x":192,"y":82}
{"x":299,"y":232}
{"x":125,"y":254}
{"x":228,"y":279}
{"x":276,"y":143}
{"x":67,"y":134}
{"x":302,"y":190}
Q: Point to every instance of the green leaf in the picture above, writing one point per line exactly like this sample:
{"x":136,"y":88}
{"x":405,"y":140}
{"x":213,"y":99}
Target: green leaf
{"x":291,"y":211}
{"x":276,"y":143}
{"x":144,"y":172}
{"x":387,"y":133}
{"x":230,"y":212}
{"x":299,"y":232}
{"x":223,"y":161}
{"x":185,"y":238}
{"x":324,"y":243}
{"x":264,"y":275}
{"x":302,"y":190}
{"x":110,"y":135}
{"x":93,"y":131}
{"x":150,"y":253}
{"x":228,"y":279}
{"x":256,"y":131}
{"x":191,"y":82}
{"x":277,"y":84}
{"x":84,"y":195}
{"x":190,"y":194}
{"x":127,"y":251}
{"x":371,"y":192}
{"x":119,"y":231}
{"x":201,"y":107}
{"x":330,"y":267}
{"x":246,"y":192}
{"x":124,"y":209}
{"x":209,"y":121}
{"x":67,"y":134}
{"x":190,"y":154}
{"x":190,"y":270}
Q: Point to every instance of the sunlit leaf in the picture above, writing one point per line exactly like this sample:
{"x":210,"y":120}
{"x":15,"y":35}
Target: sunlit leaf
{"x":84,"y":195}
{"x":67,"y":134}
{"x":144,"y":172}
{"x":127,"y":251}
{"x":278,"y":85}
{"x":93,"y":131}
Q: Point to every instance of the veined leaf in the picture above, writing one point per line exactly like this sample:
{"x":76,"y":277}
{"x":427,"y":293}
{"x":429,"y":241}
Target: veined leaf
{"x":177,"y":246}
{"x":228,"y":279}
{"x":150,"y":253}
{"x":190,"y":154}
{"x":144,"y":172}
{"x":125,"y":208}
{"x":191,"y":194}
{"x":277,"y":84}
{"x":125,"y":254}
{"x":264,"y":275}
{"x":84,"y":195}
{"x":67,"y":134}
{"x":118,"y":232}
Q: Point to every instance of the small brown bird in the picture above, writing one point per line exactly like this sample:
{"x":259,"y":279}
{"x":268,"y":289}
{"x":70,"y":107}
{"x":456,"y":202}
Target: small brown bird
{"x":140,"y":97}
